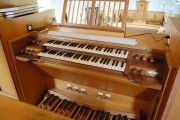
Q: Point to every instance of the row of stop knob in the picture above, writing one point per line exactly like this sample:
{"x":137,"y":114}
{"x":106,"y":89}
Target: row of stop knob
{"x":144,"y":58}
{"x":28,"y":51}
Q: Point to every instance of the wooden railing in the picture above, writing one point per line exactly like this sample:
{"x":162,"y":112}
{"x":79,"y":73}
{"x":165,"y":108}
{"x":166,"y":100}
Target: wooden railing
{"x":108,"y":15}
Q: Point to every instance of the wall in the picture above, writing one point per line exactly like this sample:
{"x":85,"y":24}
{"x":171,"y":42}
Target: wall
{"x":154,"y":5}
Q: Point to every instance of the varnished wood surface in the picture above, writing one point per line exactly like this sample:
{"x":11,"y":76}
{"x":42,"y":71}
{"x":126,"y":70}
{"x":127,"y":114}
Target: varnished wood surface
{"x":173,"y":28}
{"x":117,"y":101}
{"x":173,"y":105}
{"x":16,"y":27}
{"x":6,"y":81}
{"x":15,"y":110}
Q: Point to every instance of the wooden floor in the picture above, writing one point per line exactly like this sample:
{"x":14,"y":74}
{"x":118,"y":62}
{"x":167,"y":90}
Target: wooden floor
{"x":15,"y":110}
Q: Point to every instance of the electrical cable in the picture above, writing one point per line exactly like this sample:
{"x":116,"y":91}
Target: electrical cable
{"x":149,"y":34}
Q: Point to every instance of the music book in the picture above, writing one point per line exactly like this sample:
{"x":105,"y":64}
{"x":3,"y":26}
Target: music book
{"x":20,"y":11}
{"x":17,"y":8}
{"x":20,"y":14}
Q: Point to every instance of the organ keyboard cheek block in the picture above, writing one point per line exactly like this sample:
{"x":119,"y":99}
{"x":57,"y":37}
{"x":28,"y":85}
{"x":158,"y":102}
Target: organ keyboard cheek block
{"x":134,"y":75}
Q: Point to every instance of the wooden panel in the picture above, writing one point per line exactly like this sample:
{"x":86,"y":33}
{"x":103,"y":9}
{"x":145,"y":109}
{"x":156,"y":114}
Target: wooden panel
{"x":25,"y":73}
{"x":173,"y":106}
{"x":117,"y":101}
{"x":103,"y":82}
{"x":6,"y":82}
{"x":173,"y":27}
{"x":16,"y":27}
{"x":22,"y":111}
{"x":12,"y":3}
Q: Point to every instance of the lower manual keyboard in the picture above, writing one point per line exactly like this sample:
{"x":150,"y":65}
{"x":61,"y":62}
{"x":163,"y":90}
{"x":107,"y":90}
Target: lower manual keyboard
{"x":84,"y":59}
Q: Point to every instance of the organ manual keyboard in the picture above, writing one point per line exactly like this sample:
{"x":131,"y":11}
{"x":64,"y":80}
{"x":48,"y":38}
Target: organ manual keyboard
{"x":100,"y":79}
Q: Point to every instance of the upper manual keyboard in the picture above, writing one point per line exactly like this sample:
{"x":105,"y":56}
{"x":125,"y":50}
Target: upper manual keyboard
{"x":120,"y":53}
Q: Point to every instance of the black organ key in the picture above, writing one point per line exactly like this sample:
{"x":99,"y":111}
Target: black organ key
{"x":83,"y":57}
{"x":114,"y":61}
{"x":76,"y":44}
{"x":78,"y":56}
{"x":86,"y":57}
{"x":45,"y":51}
{"x":120,"y":51}
{"x":64,"y":43}
{"x":51,"y":41}
{"x":93,"y":59}
{"x":97,"y":48}
{"x":116,"y":51}
{"x":100,"y":48}
{"x":122,"y":64}
{"x":117,"y":62}
{"x":108,"y":49}
{"x":107,"y":63}
{"x":105,"y":49}
{"x":87,"y":47}
{"x":83,"y":45}
{"x":96,"y":60}
{"x":125,"y":52}
{"x":101,"y":60}
{"x":111,"y":50}
{"x":79,"y":45}
{"x":89,"y":58}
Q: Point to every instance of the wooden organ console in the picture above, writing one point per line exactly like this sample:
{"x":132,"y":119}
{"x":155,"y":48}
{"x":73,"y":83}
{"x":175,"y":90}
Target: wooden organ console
{"x":88,"y":79}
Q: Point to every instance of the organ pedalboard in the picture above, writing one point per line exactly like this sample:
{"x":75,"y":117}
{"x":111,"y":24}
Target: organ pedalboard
{"x":143,"y":68}
{"x":78,"y":111}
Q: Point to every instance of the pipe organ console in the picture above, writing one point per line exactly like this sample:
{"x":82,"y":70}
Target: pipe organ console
{"x":95,"y":80}
{"x":141,"y":67}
